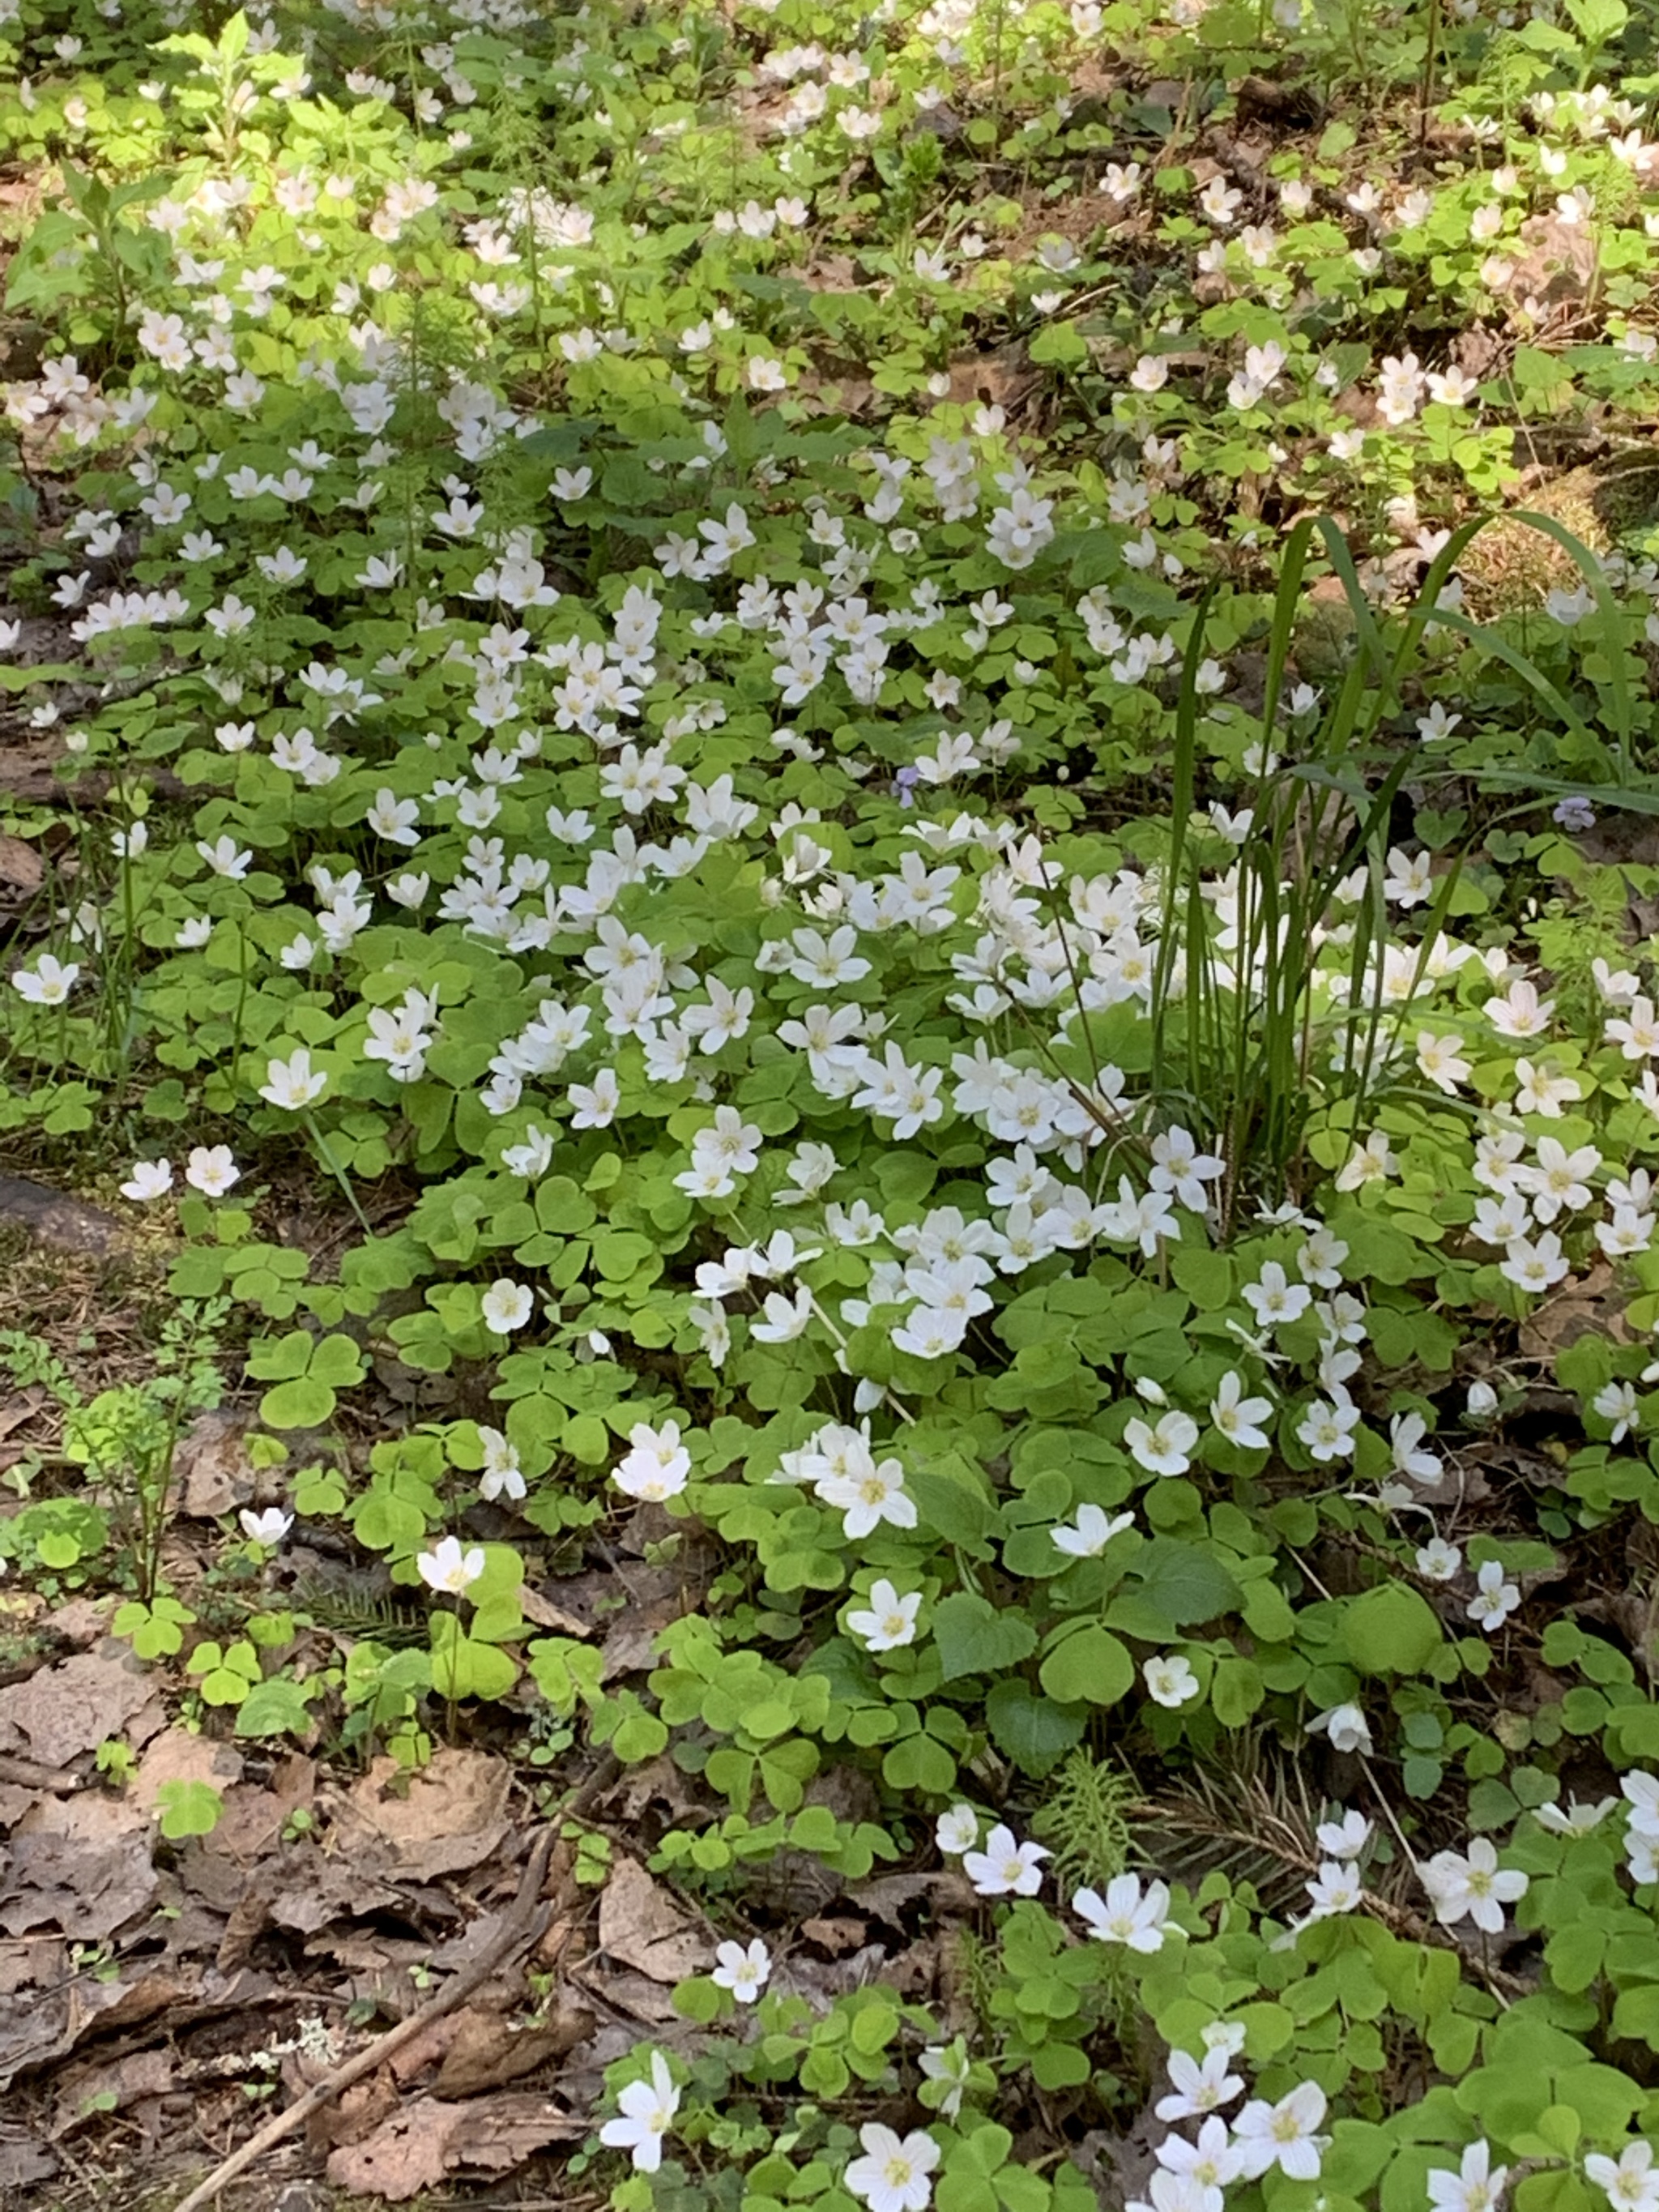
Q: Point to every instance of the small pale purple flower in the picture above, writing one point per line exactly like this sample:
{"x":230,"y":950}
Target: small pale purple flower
{"x":1574,"y":813}
{"x":904,"y":782}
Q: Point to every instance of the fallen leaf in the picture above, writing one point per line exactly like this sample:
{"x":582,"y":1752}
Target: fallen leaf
{"x":108,"y":2086}
{"x":210,"y":1467}
{"x":835,"y":1936}
{"x":176,"y":1755}
{"x":22,"y":868}
{"x":453,"y":1815}
{"x":88,"y":1893}
{"x":73,"y":1707}
{"x":541,"y":1612}
{"x":426,"y":2142}
{"x":488,"y":2050}
{"x":23,"y":2158}
{"x":641,"y":1925}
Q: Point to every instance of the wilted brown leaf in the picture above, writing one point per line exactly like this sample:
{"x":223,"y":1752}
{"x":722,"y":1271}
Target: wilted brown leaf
{"x":427,"y":2142}
{"x":452,"y":1816}
{"x":488,"y":2050}
{"x":71,"y":1708}
{"x":641,"y":1926}
{"x":210,"y":1466}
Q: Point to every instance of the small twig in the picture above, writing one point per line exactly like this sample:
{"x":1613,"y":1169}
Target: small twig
{"x":522,"y":1923}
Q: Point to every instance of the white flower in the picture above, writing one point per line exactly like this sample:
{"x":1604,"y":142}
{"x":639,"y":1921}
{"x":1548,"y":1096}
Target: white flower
{"x":872,"y":1492}
{"x":1495,"y":1599}
{"x":743,"y":1970}
{"x":1345,"y":1839}
{"x":658,"y":1465}
{"x":1372,"y":1161}
{"x":894,"y":2173}
{"x":501,"y":1475}
{"x":1200,"y":2085}
{"x":268,"y":1527}
{"x":1238,"y":1418}
{"x":48,"y":983}
{"x":1164,"y":1446}
{"x":210,"y":1169}
{"x":1274,"y":1299}
{"x":1087,"y":1537}
{"x":1577,"y":1819}
{"x":956,"y":1831}
{"x":1438,"y":1561}
{"x":1616,"y":1402}
{"x":646,"y":2111}
{"x":1005,"y":1868}
{"x":889,"y":1622}
{"x":1327,"y":1429}
{"x":1473,"y":2188}
{"x":1629,"y":2182}
{"x":949,"y":2063}
{"x":1346,"y":1727}
{"x":449,"y":1570}
{"x":1533,"y":1264}
{"x":1284,"y":2135}
{"x":1336,"y":1888}
{"x":1474,"y":1888}
{"x":505,"y":1306}
{"x":1127,"y":1914}
{"x":1169,"y":1680}
{"x":149,"y":1179}
{"x":291,"y":1083}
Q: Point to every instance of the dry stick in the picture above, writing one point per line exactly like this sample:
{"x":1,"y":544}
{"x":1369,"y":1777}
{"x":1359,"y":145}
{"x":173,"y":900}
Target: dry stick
{"x":521,"y":1924}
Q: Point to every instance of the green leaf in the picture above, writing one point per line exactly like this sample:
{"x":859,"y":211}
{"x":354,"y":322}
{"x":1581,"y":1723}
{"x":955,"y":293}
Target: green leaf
{"x":1390,"y":1630}
{"x":188,"y":1809}
{"x":973,"y":1637}
{"x":274,"y":1708}
{"x":304,"y":1403}
{"x":1035,"y":1733}
{"x":1090,"y":1666}
{"x":1184,"y":1582}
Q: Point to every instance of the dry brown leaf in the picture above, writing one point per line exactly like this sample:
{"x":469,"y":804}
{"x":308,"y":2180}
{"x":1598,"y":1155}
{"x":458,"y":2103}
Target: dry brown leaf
{"x":108,"y":2085}
{"x":453,"y":1815}
{"x":23,"y":2158}
{"x":641,"y":1926}
{"x":426,"y":2142}
{"x":543,"y":1613}
{"x":88,"y":1893}
{"x":488,"y":2051}
{"x":210,"y":1466}
{"x":22,"y":868}
{"x":835,"y":1936}
{"x":71,"y":1708}
{"x":176,"y":1755}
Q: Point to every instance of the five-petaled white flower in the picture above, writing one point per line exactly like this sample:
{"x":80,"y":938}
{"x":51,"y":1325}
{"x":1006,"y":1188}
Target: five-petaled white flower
{"x":1128,"y":1914}
{"x":1473,"y":1887}
{"x":449,"y":1570}
{"x":293,"y":1083}
{"x":1630,"y":2182}
{"x":506,"y":1306}
{"x":268,"y":1527}
{"x":646,"y":2112}
{"x":149,"y":1179}
{"x":745,"y":1969}
{"x":1284,"y":2135}
{"x":888,"y":1620}
{"x":1087,"y":1537}
{"x":1006,"y":1867}
{"x":895,"y":2172}
{"x":1474,"y":2187}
